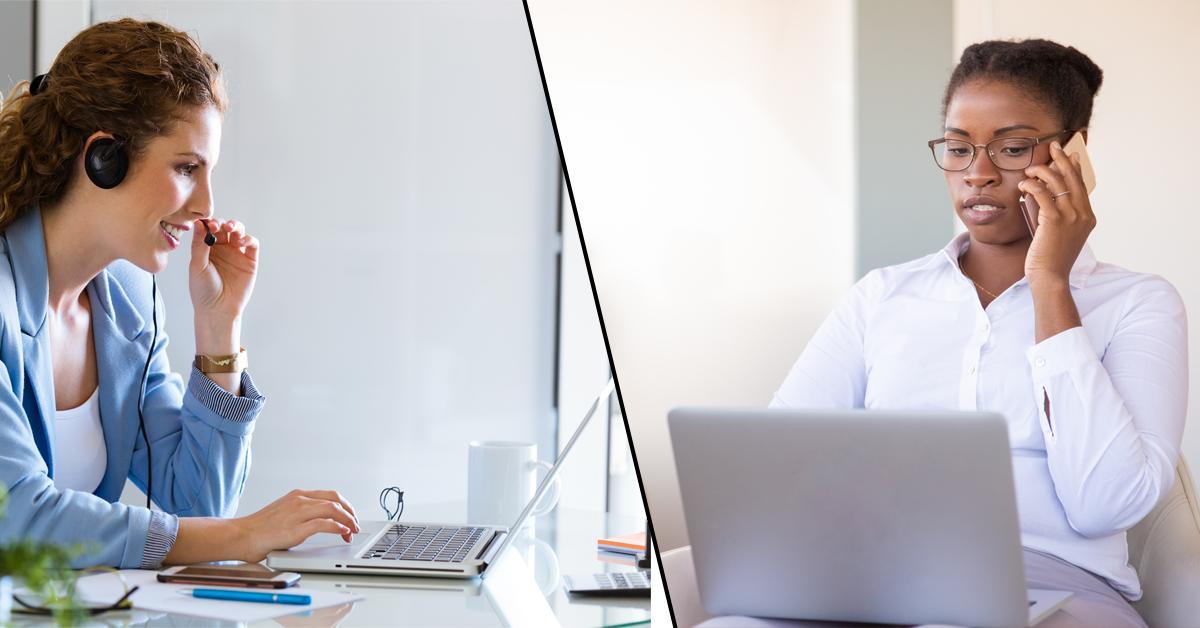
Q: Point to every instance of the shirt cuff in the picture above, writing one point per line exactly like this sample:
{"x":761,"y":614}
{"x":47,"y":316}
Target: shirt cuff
{"x":1060,"y":353}
{"x":224,"y":403}
{"x":160,"y":538}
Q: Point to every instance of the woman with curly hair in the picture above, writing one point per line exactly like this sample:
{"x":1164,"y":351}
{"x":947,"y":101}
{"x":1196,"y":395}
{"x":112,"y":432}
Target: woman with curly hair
{"x":105,"y":163}
{"x":1086,"y":360}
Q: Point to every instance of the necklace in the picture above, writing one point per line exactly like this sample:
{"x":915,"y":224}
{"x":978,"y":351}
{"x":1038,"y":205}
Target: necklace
{"x":985,"y":290}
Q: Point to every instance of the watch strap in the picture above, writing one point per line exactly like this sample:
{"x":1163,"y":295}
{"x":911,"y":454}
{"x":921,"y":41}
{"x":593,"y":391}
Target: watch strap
{"x":222,"y":363}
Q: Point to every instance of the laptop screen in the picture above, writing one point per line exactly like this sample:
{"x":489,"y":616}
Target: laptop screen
{"x":550,"y":475}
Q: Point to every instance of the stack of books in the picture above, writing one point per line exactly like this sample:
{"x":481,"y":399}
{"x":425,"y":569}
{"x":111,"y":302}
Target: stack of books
{"x":624,"y":549}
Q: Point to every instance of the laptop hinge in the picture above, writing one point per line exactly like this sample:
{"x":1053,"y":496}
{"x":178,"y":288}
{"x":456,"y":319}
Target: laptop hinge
{"x":489,"y":550}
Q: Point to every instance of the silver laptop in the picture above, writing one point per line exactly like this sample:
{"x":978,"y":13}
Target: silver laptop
{"x":438,"y":550}
{"x":856,"y":515}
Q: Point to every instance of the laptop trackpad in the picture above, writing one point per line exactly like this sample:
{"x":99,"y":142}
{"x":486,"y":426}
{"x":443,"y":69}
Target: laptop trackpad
{"x":332,"y":545}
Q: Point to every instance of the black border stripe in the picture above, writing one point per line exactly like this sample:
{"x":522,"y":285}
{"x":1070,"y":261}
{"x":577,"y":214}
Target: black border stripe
{"x":596,"y":298}
{"x":558,"y":306}
{"x":33,"y":39}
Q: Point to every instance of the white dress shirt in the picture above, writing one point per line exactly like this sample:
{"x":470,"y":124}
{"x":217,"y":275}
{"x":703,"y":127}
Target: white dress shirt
{"x":914,"y":336}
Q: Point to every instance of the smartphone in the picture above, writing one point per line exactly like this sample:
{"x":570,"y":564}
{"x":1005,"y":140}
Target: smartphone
{"x":244,"y":575}
{"x":1076,"y":146}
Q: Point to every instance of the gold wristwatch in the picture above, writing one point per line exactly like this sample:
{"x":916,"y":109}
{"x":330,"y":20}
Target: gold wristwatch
{"x":222,"y":363}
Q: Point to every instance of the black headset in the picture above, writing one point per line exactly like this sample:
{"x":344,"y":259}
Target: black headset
{"x":106,"y":163}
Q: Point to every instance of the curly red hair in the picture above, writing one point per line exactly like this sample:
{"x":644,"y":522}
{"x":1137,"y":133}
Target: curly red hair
{"x":127,"y":77}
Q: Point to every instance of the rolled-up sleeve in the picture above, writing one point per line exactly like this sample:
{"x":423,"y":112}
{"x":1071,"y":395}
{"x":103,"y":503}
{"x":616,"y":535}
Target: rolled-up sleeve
{"x":1113,"y":421}
{"x":200,"y":439}
{"x":160,"y":538}
{"x":223,"y":405}
{"x":219,"y":408}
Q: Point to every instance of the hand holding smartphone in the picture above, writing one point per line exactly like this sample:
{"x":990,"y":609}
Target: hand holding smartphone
{"x":1076,"y":146}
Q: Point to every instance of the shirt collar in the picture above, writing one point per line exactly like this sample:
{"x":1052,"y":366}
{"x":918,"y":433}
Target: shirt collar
{"x":26,"y":241}
{"x":1084,"y":265}
{"x":27,"y":249}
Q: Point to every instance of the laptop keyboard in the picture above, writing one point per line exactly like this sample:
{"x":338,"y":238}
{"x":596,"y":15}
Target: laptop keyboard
{"x":622,"y":580}
{"x":427,"y":543}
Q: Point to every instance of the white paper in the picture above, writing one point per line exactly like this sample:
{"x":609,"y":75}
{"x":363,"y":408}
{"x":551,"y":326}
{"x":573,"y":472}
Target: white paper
{"x":153,"y":595}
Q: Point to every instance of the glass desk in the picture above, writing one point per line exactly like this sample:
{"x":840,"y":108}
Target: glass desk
{"x":564,"y":542}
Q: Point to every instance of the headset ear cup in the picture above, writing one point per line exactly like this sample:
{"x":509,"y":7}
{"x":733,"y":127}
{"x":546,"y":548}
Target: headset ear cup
{"x":106,"y":163}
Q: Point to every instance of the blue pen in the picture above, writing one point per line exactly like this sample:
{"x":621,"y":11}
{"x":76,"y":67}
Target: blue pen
{"x":251,"y":596}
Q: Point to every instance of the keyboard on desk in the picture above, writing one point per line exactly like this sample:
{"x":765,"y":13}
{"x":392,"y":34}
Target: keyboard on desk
{"x":448,"y":544}
{"x":622,"y":580}
{"x":629,"y":583}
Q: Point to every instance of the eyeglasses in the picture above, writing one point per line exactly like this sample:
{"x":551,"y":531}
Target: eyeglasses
{"x":1008,"y":153}
{"x":65,"y":605}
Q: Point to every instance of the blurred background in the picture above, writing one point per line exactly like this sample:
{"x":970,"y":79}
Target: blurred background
{"x":737,"y":166}
{"x":421,"y":283}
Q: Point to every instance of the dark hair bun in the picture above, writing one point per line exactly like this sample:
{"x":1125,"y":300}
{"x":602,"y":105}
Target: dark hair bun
{"x":1091,"y":73}
{"x":1060,"y":76}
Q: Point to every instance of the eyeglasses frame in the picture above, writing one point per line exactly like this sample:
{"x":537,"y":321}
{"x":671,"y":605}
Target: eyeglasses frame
{"x":975,"y":149}
{"x":124,"y":603}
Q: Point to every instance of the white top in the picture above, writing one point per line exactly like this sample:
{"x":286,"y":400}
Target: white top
{"x":914,"y":336}
{"x":79,"y":453}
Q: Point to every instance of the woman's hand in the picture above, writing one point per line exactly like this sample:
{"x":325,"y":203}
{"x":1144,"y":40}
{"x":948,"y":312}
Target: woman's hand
{"x":1064,"y":220}
{"x":289,"y":520}
{"x":283,"y":524}
{"x":221,"y":279}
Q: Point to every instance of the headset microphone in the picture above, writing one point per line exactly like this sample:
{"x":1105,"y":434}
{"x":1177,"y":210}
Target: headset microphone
{"x":209,"y":238}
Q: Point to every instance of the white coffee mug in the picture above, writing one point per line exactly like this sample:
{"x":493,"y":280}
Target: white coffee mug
{"x":501,"y":479}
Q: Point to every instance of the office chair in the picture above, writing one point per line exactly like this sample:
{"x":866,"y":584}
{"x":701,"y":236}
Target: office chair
{"x":1165,"y":550}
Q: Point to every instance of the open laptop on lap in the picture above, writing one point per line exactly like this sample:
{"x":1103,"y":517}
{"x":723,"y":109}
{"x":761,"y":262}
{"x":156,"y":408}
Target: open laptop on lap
{"x":437,"y":550}
{"x":856,"y":515}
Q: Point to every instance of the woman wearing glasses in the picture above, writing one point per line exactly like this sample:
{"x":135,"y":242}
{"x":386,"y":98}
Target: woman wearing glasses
{"x":1086,"y":360}
{"x":105,"y":163}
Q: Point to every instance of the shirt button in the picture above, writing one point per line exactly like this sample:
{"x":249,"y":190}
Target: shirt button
{"x":971,"y":370}
{"x":1040,"y":362}
{"x":983,"y":327}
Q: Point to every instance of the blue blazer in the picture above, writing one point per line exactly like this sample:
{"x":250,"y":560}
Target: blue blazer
{"x":200,"y":436}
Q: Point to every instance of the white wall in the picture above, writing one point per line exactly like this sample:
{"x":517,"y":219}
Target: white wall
{"x":396,"y":161}
{"x":600,"y":475}
{"x":582,"y":373}
{"x":1143,"y":135}
{"x":16,"y":43}
{"x":57,"y":22}
{"x":901,"y":62}
{"x":711,"y":158}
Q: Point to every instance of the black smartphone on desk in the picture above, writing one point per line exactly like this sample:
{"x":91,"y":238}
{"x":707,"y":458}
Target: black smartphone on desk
{"x":245,"y":575}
